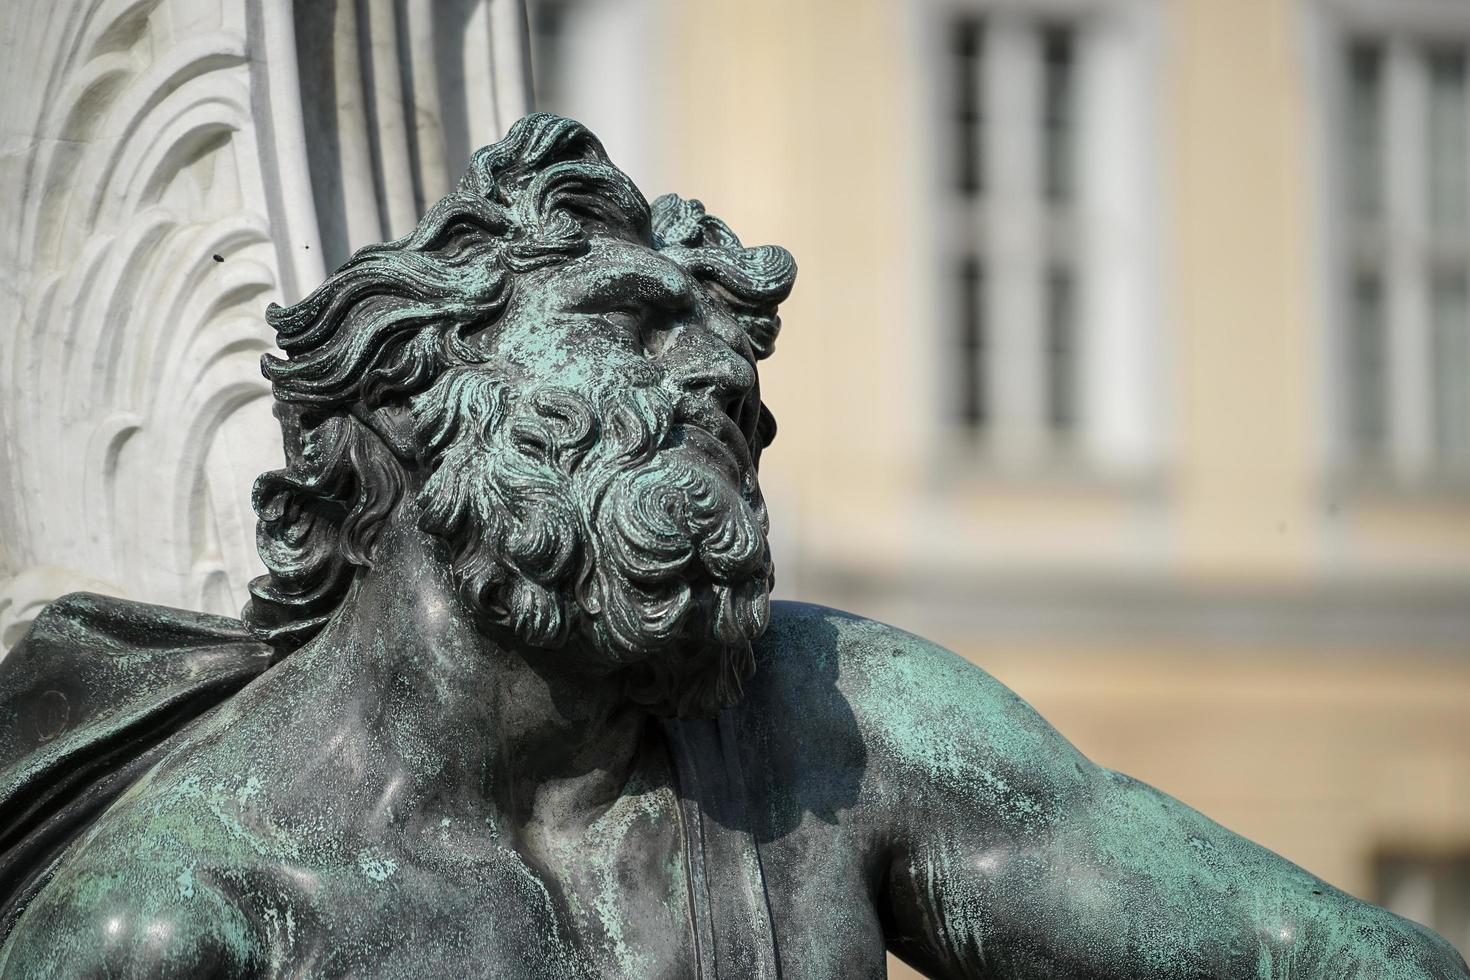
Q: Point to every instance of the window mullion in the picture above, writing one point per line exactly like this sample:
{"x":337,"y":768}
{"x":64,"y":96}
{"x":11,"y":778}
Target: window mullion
{"x":1014,"y":249}
{"x":1406,"y":243}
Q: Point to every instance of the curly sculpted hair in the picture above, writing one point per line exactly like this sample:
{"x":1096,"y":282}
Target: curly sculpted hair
{"x":401,"y":317}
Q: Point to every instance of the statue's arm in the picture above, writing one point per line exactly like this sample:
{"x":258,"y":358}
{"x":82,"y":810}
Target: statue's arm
{"x":1016,"y":857}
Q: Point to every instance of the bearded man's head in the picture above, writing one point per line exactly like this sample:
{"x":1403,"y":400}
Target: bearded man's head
{"x":560,"y":381}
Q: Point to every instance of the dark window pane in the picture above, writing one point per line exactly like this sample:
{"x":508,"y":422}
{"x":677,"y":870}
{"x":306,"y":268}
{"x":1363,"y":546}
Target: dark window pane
{"x":971,"y":408}
{"x":1059,"y":113}
{"x":1429,"y":888}
{"x":1450,"y":320}
{"x":1061,"y":352}
{"x":1448,"y":131}
{"x":967,"y":40}
{"x":1363,"y":146}
{"x":1367,"y":374}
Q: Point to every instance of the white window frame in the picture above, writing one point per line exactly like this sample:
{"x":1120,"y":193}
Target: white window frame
{"x":1409,"y":461}
{"x":1112,"y":235}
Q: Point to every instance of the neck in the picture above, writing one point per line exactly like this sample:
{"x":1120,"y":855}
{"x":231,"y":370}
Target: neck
{"x":473,"y":722}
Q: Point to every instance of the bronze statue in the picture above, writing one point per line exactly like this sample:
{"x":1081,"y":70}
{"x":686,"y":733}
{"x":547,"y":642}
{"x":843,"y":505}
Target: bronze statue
{"x":513,"y":700}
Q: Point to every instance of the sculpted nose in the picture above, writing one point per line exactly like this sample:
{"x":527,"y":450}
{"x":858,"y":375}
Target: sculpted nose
{"x":707,"y":365}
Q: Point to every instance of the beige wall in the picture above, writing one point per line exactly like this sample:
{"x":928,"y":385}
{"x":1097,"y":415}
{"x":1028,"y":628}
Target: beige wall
{"x":1241,"y":212}
{"x":1324,"y":759}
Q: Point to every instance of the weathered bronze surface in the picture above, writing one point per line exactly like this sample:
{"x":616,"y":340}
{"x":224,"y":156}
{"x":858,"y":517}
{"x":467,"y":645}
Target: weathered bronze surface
{"x":513,"y":701}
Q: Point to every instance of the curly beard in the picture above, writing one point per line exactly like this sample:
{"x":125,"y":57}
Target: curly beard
{"x":620,"y":530}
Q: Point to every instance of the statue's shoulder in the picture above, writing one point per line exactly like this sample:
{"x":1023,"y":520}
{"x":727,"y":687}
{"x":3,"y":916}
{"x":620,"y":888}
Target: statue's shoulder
{"x":923,"y":714}
{"x":91,"y":699}
{"x":813,"y":624}
{"x":864,"y":659}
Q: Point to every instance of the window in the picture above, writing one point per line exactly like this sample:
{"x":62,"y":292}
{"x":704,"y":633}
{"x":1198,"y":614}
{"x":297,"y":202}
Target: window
{"x":981,"y":46}
{"x":1402,"y":271}
{"x":1366,"y":343}
{"x":971,"y":407}
{"x":1060,"y":384}
{"x":1059,"y":113}
{"x":1045,"y":212}
{"x":1431,"y":889}
{"x":968,"y":98}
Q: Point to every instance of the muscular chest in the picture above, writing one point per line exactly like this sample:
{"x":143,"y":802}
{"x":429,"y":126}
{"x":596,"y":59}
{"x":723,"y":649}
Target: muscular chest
{"x":609,"y":901}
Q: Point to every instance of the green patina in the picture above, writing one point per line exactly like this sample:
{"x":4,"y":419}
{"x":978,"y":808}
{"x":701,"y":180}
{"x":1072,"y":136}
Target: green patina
{"x":186,"y":883}
{"x":376,"y":867}
{"x":519,"y":529}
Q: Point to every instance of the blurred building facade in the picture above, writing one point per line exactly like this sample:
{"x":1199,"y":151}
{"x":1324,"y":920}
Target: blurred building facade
{"x":1130,"y":358}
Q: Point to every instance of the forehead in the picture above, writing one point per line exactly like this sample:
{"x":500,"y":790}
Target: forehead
{"x":557,"y":322}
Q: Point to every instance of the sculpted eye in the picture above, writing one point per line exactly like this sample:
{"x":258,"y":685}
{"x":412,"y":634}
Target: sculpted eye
{"x":624,"y":319}
{"x":656,"y":333}
{"x":652,"y":328}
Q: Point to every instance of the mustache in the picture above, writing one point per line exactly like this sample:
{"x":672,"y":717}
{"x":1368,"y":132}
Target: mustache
{"x":711,"y":431}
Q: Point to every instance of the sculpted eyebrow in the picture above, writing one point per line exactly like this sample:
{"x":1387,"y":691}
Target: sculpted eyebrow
{"x":639,"y":288}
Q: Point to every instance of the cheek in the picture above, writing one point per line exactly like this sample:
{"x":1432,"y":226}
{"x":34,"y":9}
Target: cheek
{"x":582,"y":360}
{"x":606,"y":364}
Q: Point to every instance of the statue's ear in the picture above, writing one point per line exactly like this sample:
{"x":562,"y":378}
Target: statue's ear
{"x":391,"y":423}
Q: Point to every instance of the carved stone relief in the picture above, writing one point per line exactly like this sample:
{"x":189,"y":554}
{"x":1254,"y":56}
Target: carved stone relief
{"x":171,"y":166}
